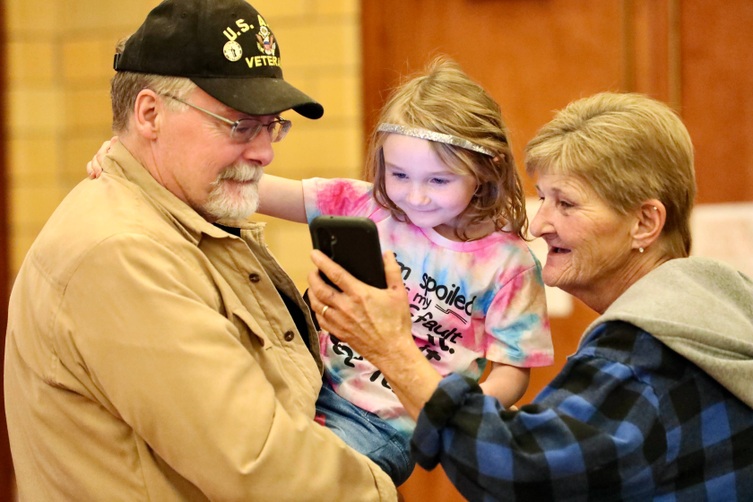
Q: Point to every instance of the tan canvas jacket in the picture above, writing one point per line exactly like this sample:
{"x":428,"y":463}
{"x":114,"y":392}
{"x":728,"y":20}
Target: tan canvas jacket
{"x":150,"y":357}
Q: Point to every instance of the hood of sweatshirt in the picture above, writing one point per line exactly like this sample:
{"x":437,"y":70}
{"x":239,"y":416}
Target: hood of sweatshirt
{"x":700,"y":308}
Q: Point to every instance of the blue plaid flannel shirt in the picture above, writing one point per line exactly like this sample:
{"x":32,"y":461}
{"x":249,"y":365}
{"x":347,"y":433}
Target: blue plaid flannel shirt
{"x":626,"y":419}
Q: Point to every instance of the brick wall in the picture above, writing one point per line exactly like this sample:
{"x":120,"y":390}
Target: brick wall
{"x":59,"y":66}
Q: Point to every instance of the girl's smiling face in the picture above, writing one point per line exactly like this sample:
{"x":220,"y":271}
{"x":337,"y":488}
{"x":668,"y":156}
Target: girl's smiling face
{"x":422,"y":186}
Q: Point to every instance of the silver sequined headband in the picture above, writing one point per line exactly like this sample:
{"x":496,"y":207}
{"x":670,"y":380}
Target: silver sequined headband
{"x":439,"y":137}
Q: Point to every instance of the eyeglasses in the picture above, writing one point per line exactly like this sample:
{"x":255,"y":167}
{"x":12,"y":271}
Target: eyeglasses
{"x":245,"y":130}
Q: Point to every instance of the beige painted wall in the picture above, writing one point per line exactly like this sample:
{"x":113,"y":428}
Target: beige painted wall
{"x":59,"y":66}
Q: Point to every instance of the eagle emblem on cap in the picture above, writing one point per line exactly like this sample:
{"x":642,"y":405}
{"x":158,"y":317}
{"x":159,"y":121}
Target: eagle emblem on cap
{"x":265,"y":41}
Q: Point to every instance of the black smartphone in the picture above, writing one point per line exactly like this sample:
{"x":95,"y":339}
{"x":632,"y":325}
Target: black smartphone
{"x":353,"y":243}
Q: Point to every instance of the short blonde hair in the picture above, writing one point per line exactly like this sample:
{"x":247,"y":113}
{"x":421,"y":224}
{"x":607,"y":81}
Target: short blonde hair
{"x":629,"y":148}
{"x":444,"y":99}
{"x":125,"y":86}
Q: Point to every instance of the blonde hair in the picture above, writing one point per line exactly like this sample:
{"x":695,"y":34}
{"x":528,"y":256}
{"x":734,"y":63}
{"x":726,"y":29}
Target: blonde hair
{"x":125,"y":86}
{"x":444,"y":99}
{"x":629,"y":148}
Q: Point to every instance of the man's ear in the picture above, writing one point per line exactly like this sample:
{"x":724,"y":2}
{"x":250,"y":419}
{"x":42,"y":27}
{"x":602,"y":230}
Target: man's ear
{"x":147,"y":114}
{"x":650,"y":219}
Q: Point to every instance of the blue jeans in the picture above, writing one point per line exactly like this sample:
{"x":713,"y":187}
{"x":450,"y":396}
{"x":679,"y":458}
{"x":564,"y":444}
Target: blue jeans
{"x":366,"y":433}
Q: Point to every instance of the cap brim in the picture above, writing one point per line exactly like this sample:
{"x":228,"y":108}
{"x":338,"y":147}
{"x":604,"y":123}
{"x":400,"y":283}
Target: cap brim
{"x":260,"y":96}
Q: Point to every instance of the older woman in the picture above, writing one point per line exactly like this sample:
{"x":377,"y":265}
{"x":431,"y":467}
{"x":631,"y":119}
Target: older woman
{"x":656,"y":402}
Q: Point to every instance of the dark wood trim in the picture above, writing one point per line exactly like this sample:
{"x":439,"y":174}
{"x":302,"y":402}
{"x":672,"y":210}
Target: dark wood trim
{"x":373,"y":28}
{"x":628,"y":45}
{"x":674,"y":54}
{"x":6,"y":466}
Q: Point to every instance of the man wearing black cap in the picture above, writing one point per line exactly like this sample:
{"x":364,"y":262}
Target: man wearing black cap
{"x":155,"y":349}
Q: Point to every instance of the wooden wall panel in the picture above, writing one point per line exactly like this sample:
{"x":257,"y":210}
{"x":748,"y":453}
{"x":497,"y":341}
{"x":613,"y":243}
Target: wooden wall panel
{"x":717,"y":96}
{"x":535,"y":56}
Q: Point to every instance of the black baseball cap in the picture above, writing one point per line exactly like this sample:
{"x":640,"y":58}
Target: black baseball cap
{"x":225,"y":47}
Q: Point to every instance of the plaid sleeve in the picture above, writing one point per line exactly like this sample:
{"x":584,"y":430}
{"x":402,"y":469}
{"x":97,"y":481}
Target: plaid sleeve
{"x":593,"y":434}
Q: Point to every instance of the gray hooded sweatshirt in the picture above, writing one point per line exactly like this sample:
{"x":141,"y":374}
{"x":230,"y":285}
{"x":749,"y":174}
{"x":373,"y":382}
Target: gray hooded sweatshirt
{"x":700,"y":308}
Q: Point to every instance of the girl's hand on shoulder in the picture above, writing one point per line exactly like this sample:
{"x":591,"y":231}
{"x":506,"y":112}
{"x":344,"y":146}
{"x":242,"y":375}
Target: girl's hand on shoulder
{"x":94,"y":166}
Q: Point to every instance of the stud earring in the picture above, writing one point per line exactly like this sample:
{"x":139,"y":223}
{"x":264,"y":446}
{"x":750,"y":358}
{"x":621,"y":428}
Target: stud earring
{"x":640,"y":249}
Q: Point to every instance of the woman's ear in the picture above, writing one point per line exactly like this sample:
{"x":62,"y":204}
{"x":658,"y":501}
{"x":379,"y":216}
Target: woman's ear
{"x":650,"y":219}
{"x":146,"y":114}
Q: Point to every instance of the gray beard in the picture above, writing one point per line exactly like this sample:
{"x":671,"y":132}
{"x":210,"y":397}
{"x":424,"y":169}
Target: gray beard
{"x":223,"y":205}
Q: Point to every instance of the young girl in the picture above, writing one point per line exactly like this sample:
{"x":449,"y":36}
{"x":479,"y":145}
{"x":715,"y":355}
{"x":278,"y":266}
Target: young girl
{"x":446,"y":198}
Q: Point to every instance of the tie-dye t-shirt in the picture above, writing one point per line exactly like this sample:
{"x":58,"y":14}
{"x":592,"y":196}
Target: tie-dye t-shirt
{"x":471,"y":302}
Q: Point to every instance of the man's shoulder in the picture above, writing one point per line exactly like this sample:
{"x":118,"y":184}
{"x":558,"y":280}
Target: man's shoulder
{"x":96,"y":216}
{"x":106,"y":206}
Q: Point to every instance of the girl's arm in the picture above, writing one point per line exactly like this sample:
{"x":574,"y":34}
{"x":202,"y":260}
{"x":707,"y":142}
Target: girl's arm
{"x":281,"y":198}
{"x":506,"y":383}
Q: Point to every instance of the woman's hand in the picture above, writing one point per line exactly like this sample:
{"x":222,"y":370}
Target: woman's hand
{"x":371,"y":320}
{"x":377,"y":324}
{"x":94,"y":166}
